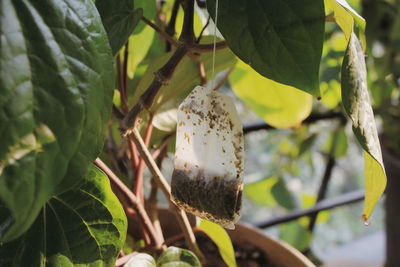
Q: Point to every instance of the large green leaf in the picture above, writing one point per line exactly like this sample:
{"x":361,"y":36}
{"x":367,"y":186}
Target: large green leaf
{"x":279,"y":105}
{"x":281,"y":39}
{"x":119,"y":19}
{"x":81,"y":227}
{"x":356,"y":102}
{"x":219,"y":236}
{"x":56,"y":92}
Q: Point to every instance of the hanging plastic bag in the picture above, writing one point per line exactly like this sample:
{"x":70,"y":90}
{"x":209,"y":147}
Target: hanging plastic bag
{"x":208,"y":166}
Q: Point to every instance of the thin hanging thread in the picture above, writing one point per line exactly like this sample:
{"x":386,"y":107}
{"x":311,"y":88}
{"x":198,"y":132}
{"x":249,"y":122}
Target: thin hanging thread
{"x":215,"y":43}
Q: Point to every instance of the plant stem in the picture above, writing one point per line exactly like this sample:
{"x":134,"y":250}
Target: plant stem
{"x":163,"y":34}
{"x":164,"y":74}
{"x":133,"y":201}
{"x":170,"y":29}
{"x":125,"y":78}
{"x":138,"y":184}
{"x":164,"y":186}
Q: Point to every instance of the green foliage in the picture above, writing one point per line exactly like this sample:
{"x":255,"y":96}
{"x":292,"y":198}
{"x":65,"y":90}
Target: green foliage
{"x":219,"y":236}
{"x":270,"y":191}
{"x":356,"y":102}
{"x":185,"y":77}
{"x":172,"y":257}
{"x":119,"y":19}
{"x":85,"y":226}
{"x":282,"y":107}
{"x":55,"y":102}
{"x":282,"y":40}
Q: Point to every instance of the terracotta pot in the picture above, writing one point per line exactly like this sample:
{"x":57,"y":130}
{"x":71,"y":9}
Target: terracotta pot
{"x":279,"y":253}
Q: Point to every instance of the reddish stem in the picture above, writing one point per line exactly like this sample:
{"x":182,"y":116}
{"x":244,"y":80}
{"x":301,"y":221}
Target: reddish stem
{"x":138,"y":184}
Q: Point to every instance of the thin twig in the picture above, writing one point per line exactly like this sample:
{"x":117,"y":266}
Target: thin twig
{"x":311,"y":119}
{"x":223,"y":80}
{"x":138,"y":184}
{"x":133,"y":201}
{"x":125,"y":78}
{"x":170,"y":29}
{"x":326,"y":204}
{"x":203,"y":29}
{"x":162,"y":77}
{"x":134,"y":156}
{"x":164,"y":143}
{"x":202,"y":72}
{"x":151,"y":203}
{"x":204,"y":48}
{"x":165,"y":187}
{"x":163,"y":34}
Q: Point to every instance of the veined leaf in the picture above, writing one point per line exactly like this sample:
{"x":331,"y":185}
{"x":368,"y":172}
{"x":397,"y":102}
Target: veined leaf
{"x":356,"y":102}
{"x":178,"y":257}
{"x":219,"y":236}
{"x":279,"y":105}
{"x":119,"y":19}
{"x":81,"y":227}
{"x":56,"y":88}
{"x":281,"y":39}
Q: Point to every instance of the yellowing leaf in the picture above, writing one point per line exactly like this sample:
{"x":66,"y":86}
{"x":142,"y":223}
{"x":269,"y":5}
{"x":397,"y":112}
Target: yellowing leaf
{"x":375,"y":183}
{"x":345,"y":16}
{"x":355,"y":98}
{"x":279,"y":105}
{"x":219,"y":236}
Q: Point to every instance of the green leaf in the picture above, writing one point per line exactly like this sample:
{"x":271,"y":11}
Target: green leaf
{"x":356,"y":102}
{"x":56,"y":89}
{"x":141,"y":260}
{"x":295,"y":234}
{"x":81,"y":227}
{"x":149,"y":12}
{"x":178,"y":257}
{"x":346,"y":17}
{"x":341,"y":144}
{"x":281,"y":39}
{"x":279,"y":105}
{"x":185,"y":78}
{"x":219,"y":236}
{"x":139,"y":45}
{"x":269,"y":192}
{"x":331,"y":94}
{"x":119,"y":19}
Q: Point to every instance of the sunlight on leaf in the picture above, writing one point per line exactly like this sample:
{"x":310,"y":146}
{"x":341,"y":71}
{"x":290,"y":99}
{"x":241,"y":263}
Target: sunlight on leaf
{"x":345,"y":16}
{"x":355,"y":98}
{"x":219,"y":236}
{"x":178,"y":257}
{"x":279,"y":105}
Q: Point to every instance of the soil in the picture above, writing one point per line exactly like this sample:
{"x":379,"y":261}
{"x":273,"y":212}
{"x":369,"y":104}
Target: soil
{"x":247,"y":255}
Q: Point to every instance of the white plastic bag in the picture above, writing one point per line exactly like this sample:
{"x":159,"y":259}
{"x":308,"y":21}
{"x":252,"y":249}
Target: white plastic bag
{"x":208,"y":167}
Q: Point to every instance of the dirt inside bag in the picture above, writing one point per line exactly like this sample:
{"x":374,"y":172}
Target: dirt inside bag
{"x":208,"y":166}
